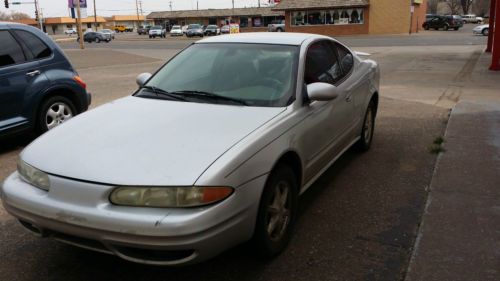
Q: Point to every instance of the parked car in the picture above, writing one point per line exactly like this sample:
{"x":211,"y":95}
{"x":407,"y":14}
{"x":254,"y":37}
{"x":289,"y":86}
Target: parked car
{"x":482,"y":29}
{"x":176,"y":31}
{"x":119,"y":28}
{"x":40,"y":89}
{"x":157,"y":31}
{"x":143,"y":29}
{"x":110,"y":33}
{"x":95,"y":37}
{"x":444,"y":22}
{"x":276,"y":26}
{"x":194,"y":30}
{"x":212,"y":30}
{"x":235,"y":150}
{"x":226,"y":29}
{"x":184,"y":29}
{"x":471,"y":19}
{"x":71,"y":31}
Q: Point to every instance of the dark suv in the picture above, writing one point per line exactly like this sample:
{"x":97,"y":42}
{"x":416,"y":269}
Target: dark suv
{"x":445,"y":22}
{"x":39,"y":89}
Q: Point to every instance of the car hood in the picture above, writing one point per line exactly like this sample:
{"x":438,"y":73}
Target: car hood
{"x":140,"y":141}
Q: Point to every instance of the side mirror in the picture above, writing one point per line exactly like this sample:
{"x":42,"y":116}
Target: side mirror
{"x":320,"y":91}
{"x":142,"y":78}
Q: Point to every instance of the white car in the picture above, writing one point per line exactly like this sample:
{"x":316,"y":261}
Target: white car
{"x":70,"y":31}
{"x":176,"y":31}
{"x":482,"y":29}
{"x":471,"y":19}
{"x":212,"y":150}
{"x":157,"y":31}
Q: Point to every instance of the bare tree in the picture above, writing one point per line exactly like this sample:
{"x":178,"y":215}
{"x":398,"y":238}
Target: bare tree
{"x":13,"y":16}
{"x":454,"y":6}
{"x":432,"y":6}
{"x":466,"y":5}
{"x":481,"y":7}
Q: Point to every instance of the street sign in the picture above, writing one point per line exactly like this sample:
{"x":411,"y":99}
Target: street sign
{"x":73,"y":3}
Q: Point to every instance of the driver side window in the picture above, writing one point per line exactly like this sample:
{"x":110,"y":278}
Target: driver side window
{"x":322,"y":64}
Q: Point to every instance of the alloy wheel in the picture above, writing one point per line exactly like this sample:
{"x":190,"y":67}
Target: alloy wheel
{"x":278,"y":212}
{"x":57,"y":114}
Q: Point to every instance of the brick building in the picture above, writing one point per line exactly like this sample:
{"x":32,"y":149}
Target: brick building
{"x":343,"y":17}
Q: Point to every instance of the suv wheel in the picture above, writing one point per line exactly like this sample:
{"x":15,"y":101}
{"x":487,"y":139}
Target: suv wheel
{"x":53,"y":112}
{"x":426,"y":27}
{"x":446,"y":27}
{"x":97,"y":40}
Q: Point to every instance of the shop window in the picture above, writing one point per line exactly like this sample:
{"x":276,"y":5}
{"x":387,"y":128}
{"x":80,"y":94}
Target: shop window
{"x":257,"y":22}
{"x":336,"y":16}
{"x":212,"y":21}
{"x":243,"y":22}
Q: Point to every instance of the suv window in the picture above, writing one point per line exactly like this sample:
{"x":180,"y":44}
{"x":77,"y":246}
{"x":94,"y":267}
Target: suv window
{"x":34,"y":44}
{"x":345,"y":58}
{"x":322,"y":64}
{"x":10,"y":50}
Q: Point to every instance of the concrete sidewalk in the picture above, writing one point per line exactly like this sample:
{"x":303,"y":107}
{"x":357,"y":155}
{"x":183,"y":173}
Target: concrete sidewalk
{"x":459,"y":238}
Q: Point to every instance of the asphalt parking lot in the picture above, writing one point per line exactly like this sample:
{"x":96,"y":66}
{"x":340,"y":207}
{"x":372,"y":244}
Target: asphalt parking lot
{"x":357,"y":222}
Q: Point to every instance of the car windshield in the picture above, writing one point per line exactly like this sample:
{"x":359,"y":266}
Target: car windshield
{"x":106,"y":31}
{"x":211,"y":26}
{"x":156,"y":27}
{"x":194,"y":26}
{"x":230,"y":73}
{"x":176,"y":27}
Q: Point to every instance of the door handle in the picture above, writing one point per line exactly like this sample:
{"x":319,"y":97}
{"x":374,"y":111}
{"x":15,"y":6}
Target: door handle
{"x":33,"y":73}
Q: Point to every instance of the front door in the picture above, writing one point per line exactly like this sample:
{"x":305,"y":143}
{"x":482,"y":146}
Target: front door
{"x":328,"y":122}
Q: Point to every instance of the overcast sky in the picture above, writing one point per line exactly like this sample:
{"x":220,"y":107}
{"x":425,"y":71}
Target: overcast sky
{"x":58,"y":8}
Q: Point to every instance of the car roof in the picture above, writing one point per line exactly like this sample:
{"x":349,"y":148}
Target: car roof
{"x":284,"y":38}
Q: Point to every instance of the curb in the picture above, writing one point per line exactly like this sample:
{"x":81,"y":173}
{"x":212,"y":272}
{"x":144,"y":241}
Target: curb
{"x":65,"y":40}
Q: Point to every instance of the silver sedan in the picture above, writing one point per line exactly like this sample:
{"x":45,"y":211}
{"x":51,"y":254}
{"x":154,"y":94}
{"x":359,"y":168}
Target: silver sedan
{"x":212,"y":150}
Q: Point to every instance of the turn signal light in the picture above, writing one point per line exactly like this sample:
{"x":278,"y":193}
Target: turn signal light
{"x":80,"y":82}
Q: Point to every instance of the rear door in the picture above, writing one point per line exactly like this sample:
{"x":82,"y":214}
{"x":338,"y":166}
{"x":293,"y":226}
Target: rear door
{"x":20,"y":81}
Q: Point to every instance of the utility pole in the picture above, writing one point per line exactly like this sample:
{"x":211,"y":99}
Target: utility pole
{"x":79,"y":23}
{"x":258,"y":3}
{"x":197,"y":5}
{"x":140,"y":8}
{"x":137,"y":9}
{"x":95,"y":16}
{"x":37,"y":13}
{"x":170,"y":4}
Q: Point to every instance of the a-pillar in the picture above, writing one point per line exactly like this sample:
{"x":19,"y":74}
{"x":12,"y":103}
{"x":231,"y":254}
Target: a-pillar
{"x":495,"y":47}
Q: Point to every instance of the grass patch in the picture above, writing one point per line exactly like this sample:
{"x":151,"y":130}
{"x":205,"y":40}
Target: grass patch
{"x":437,"y":146}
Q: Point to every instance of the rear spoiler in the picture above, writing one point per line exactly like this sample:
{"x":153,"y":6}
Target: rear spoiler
{"x":362,"y":54}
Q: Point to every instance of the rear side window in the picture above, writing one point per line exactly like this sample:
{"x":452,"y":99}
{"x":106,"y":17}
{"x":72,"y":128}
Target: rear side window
{"x":345,"y":58}
{"x":34,"y":44}
{"x":10,"y":50}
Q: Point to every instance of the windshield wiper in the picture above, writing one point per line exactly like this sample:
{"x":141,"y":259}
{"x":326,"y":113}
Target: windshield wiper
{"x":203,"y":94}
{"x":158,"y":92}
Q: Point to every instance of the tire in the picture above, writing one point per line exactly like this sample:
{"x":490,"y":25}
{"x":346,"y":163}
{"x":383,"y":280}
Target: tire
{"x":97,"y":40}
{"x":53,"y":112}
{"x":270,"y":243}
{"x":455,"y":28}
{"x":368,"y":128}
{"x":426,"y":27}
{"x":446,"y":27}
{"x":150,"y":36}
{"x":279,"y":30}
{"x":486,"y":32}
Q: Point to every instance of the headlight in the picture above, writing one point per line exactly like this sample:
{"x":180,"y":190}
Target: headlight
{"x":33,"y":176}
{"x":173,"y":197}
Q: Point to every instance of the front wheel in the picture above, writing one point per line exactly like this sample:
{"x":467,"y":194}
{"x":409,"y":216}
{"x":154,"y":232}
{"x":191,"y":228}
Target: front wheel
{"x":446,"y":27}
{"x":486,"y":31}
{"x":53,"y":112}
{"x":277,"y":212}
{"x":368,"y":128}
{"x":426,"y":27}
{"x":97,"y":40}
{"x":455,"y":28}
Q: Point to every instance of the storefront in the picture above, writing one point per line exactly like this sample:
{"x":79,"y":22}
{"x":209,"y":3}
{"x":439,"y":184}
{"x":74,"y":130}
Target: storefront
{"x":328,"y":17}
{"x":249,"y":19}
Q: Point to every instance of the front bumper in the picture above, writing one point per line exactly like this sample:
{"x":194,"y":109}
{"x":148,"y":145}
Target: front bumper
{"x":79,"y":213}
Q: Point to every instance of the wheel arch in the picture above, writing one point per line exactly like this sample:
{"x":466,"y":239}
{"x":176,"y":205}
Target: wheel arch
{"x":292,"y":159}
{"x":64,"y":92}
